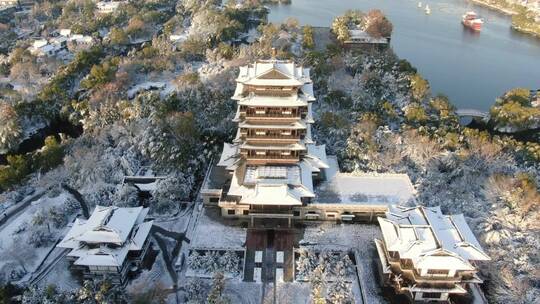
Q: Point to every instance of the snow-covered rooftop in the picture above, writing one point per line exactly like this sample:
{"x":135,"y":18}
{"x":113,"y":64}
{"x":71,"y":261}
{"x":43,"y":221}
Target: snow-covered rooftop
{"x":274,"y":72}
{"x":106,"y":237}
{"x":362,"y":36}
{"x":273,"y":184}
{"x":363,"y":188}
{"x":274,"y":101}
{"x":431,"y":239}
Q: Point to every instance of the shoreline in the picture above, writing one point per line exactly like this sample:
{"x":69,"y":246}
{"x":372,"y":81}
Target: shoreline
{"x":503,"y":10}
{"x":525,"y":31}
{"x":510,"y":12}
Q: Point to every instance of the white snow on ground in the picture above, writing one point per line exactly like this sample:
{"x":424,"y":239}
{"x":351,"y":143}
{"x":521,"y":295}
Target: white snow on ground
{"x":150,"y":278}
{"x":176,"y":224}
{"x":294,"y":292}
{"x":9,"y":231}
{"x":333,"y":236}
{"x":214,"y":233}
{"x":243,"y":292}
{"x":61,"y":277}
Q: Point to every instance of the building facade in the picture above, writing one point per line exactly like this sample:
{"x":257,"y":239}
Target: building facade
{"x":428,"y":256}
{"x":110,"y":244}
{"x":273,"y":161}
{"x":274,"y":169}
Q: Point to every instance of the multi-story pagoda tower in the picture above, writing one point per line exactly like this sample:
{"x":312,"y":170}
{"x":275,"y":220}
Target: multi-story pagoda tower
{"x":273,"y":160}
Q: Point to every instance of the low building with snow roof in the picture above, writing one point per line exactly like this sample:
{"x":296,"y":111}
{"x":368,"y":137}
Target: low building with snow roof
{"x":428,"y":256}
{"x":273,"y":169}
{"x":109,"y":7}
{"x":42,"y":48}
{"x":111,"y":243}
{"x":361,"y":37}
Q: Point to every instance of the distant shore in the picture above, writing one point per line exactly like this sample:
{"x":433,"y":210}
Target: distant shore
{"x":496,"y":7}
{"x":511,"y":12}
{"x":525,"y":31}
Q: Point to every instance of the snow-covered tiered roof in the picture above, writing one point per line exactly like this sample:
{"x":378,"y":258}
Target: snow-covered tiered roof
{"x":431,"y":239}
{"x":271,"y":185}
{"x":107,"y":236}
{"x":274,"y":72}
{"x":270,"y":101}
{"x":277,"y":185}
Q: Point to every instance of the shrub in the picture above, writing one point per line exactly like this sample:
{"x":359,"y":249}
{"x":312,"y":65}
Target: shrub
{"x":308,"y":41}
{"x":17,"y":169}
{"x":118,"y":37}
{"x":40,"y":236}
{"x":419,"y":87}
{"x":332,"y":120}
{"x":51,"y":155}
{"x":415,"y":114}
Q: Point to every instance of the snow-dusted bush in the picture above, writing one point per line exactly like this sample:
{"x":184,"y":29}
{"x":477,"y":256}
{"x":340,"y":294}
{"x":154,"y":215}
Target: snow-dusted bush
{"x":196,"y":291}
{"x":47,"y":295}
{"x":333,"y":264}
{"x":230,"y":262}
{"x":70,"y":206}
{"x":169,"y":192}
{"x":40,"y":236}
{"x":126,"y":196}
{"x":340,"y":291}
{"x":57,"y":216}
{"x":11,"y":271}
{"x":212,"y":261}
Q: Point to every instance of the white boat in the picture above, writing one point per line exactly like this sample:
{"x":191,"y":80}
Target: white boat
{"x":428,"y":10}
{"x":419,"y":4}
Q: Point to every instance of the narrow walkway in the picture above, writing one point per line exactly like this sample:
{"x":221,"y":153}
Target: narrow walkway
{"x":16,"y":210}
{"x":42,"y":270}
{"x":269,"y":242}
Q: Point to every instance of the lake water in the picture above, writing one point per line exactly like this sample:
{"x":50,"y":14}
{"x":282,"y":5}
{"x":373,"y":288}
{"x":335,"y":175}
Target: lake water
{"x":470,"y":68}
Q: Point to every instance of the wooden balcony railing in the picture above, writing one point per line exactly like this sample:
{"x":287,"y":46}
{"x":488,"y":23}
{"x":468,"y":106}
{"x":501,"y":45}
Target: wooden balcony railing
{"x":269,"y":115}
{"x":271,"y":137}
{"x":272,"y":156}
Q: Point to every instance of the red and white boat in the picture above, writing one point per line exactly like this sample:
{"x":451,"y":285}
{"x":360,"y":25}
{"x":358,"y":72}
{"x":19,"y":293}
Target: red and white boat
{"x":472,"y":21}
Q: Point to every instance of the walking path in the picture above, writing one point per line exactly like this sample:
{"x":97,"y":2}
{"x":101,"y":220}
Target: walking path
{"x":16,"y":210}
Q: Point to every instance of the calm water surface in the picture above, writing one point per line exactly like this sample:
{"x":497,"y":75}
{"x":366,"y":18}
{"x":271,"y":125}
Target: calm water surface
{"x":470,"y":68}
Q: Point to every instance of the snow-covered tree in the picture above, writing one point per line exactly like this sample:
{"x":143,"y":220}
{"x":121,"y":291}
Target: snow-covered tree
{"x":339,"y":291}
{"x":10,"y":129}
{"x":230,"y":262}
{"x":169,"y":192}
{"x":196,"y":291}
{"x":318,"y":285}
{"x":304,"y":263}
{"x":100,"y":292}
{"x":127,"y":196}
{"x":40,"y":235}
{"x":215,"y":296}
